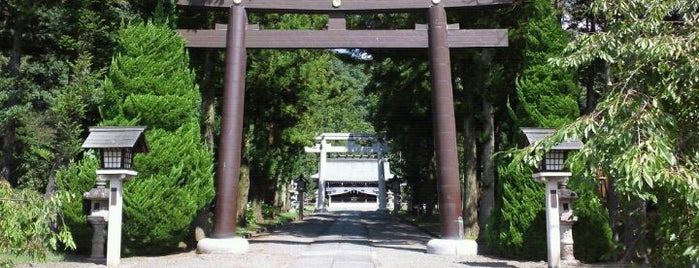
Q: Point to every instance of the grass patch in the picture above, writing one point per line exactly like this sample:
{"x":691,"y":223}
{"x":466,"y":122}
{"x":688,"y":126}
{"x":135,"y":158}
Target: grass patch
{"x":429,"y":225}
{"x":255,"y":228}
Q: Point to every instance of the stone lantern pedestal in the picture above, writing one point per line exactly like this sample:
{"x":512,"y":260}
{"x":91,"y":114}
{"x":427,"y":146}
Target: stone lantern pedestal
{"x":99,"y":225}
{"x":99,"y":213}
{"x":553,"y":229}
{"x":116,"y":191}
{"x":566,"y":197}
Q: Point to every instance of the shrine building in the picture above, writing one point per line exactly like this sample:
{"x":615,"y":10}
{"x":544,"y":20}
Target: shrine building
{"x":352,"y":171}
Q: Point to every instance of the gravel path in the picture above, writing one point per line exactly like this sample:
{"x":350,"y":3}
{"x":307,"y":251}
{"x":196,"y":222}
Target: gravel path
{"x":398,"y":244}
{"x":392,"y":242}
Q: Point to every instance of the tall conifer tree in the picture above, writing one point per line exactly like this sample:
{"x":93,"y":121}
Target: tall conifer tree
{"x":149,"y":83}
{"x":546,"y":97}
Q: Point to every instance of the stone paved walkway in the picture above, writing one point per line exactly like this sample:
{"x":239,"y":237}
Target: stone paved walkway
{"x":336,"y":239}
{"x":343,"y":244}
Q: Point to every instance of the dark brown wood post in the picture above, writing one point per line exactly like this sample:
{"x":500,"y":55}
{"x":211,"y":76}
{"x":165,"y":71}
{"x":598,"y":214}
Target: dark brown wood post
{"x":301,"y":201}
{"x":230,"y":146}
{"x":444,"y":124}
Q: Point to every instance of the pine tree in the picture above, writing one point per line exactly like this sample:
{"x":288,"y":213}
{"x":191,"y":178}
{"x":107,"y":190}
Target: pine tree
{"x":546,"y":97}
{"x":149,"y":83}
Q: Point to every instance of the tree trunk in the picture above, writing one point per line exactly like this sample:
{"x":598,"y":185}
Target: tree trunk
{"x":487,"y":201}
{"x":280,"y":195}
{"x":51,"y":186}
{"x":208,"y":101}
{"x":257,"y":209}
{"x":208,"y":108}
{"x":428,"y":197}
{"x":634,"y":235}
{"x":270,"y":191}
{"x":410,"y":202}
{"x":9,"y":138}
{"x":470,"y":187}
{"x":257,"y":192}
{"x":612,"y":201}
{"x":243,"y":190}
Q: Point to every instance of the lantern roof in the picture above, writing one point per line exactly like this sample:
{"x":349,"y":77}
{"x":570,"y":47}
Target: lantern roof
{"x":301,"y":178}
{"x":117,"y":137}
{"x":536,"y":134}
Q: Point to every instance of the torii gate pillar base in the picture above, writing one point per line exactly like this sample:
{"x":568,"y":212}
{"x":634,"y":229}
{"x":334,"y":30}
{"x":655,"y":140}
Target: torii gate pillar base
{"x":452,"y":247}
{"x":235,"y":245}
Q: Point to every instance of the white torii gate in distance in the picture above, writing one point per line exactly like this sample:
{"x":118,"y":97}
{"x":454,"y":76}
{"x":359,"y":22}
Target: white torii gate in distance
{"x":325,"y":145}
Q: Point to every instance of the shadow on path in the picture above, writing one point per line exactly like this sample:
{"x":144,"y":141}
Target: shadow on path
{"x":488,"y":264}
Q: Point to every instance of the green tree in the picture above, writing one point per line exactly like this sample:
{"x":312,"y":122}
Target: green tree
{"x":403,"y":114}
{"x":291,"y":97}
{"x":31,"y":225}
{"x":546,"y":96}
{"x":641,"y":134}
{"x":42,"y":40}
{"x":150,"y":84}
{"x":53,"y":136}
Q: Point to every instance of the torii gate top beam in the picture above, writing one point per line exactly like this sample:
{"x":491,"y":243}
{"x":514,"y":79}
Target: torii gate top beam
{"x":325,"y":6}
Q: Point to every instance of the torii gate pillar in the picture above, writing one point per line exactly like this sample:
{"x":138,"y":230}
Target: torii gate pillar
{"x":444,"y":127}
{"x":230,"y":147}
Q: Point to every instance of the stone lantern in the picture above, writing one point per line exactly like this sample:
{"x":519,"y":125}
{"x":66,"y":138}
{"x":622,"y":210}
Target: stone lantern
{"x":116,"y":146}
{"x":98,"y":214}
{"x":301,"y":184}
{"x":552,"y":172}
{"x":568,"y":219}
{"x":395,"y":188}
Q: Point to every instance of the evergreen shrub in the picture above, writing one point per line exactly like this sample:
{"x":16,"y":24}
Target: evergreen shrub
{"x":149,"y":83}
{"x":518,"y":228}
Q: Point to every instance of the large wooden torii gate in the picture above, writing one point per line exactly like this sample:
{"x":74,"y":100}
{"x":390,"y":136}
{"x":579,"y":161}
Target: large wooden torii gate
{"x":437,"y":37}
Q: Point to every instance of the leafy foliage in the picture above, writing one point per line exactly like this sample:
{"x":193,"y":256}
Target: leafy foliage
{"x":403,"y":115}
{"x":28,"y":222}
{"x":642,"y":133}
{"x":53,"y":136}
{"x":54,"y":52}
{"x":592,"y":233}
{"x":78,"y":178}
{"x":172,"y":187}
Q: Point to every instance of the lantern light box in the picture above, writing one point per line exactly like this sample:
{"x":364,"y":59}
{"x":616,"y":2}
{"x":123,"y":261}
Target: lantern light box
{"x":117,"y":145}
